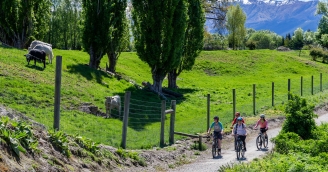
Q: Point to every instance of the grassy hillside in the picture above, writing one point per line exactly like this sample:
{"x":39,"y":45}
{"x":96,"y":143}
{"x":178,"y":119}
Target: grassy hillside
{"x":30,"y":90}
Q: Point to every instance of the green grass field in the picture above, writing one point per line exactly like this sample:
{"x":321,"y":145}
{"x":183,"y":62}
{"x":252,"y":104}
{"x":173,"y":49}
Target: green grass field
{"x":30,"y":90}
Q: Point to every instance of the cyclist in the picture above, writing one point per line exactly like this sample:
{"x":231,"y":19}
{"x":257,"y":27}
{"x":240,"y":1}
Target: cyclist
{"x":237,"y":114}
{"x":240,"y":130}
{"x":263,"y":125}
{"x":218,"y":131}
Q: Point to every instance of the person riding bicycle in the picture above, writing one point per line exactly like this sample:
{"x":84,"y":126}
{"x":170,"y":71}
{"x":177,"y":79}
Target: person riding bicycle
{"x":263,"y":125}
{"x":237,"y":114}
{"x":218,"y":131}
{"x":240,"y":130}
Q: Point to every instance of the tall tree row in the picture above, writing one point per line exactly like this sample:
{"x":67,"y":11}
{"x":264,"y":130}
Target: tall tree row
{"x":118,"y":33}
{"x":65,"y":24}
{"x":21,"y":21}
{"x":104,"y":27}
{"x":322,"y":9}
{"x":193,"y":42}
{"x":236,"y":19}
{"x":159,"y":33}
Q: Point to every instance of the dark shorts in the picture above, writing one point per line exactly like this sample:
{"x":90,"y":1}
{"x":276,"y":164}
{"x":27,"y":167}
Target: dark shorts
{"x":217,"y":135}
{"x":263,"y":130}
{"x":242,"y":138}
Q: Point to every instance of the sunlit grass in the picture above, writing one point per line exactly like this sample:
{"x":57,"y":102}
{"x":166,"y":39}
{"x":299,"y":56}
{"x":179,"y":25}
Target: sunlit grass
{"x":30,"y":90}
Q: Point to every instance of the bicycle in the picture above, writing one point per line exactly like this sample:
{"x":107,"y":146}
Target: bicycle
{"x":215,"y":146}
{"x":261,"y":139}
{"x":240,"y":148}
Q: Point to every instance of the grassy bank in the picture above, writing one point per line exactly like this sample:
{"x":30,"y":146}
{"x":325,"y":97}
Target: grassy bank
{"x":30,"y":90}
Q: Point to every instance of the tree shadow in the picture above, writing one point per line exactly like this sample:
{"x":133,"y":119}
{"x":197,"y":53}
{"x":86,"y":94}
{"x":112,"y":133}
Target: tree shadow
{"x":87,"y":72}
{"x":145,"y":107}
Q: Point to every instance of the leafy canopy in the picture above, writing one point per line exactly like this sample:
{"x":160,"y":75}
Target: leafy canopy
{"x":299,"y":117}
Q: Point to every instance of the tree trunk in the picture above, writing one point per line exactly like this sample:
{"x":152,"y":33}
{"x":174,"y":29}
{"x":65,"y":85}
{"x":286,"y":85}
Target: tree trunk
{"x":112,"y":58}
{"x":157,"y":81}
{"x":299,"y":54}
{"x":172,"y":79}
{"x":93,"y":63}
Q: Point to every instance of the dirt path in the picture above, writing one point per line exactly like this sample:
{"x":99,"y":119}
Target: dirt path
{"x":208,"y":164}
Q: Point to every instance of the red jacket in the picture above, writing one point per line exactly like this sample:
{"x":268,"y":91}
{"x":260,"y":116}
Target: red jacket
{"x":235,"y":121}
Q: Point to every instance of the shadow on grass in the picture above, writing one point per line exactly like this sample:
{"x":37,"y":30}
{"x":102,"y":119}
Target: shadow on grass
{"x":146,"y":106}
{"x":88,"y":72}
{"x":35,"y":67}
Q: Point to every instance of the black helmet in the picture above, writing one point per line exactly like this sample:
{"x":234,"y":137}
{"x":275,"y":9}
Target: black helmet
{"x":216,"y":117}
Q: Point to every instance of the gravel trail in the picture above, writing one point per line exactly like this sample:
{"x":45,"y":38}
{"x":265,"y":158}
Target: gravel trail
{"x":208,"y":164}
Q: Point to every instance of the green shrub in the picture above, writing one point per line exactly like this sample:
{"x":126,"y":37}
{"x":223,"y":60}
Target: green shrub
{"x":60,"y":142}
{"x":315,"y":53}
{"x":306,"y":47}
{"x":299,"y":117}
{"x":87,"y":144}
{"x":17,"y":135}
{"x":285,"y":142}
{"x":324,"y":57}
{"x":251,"y":45}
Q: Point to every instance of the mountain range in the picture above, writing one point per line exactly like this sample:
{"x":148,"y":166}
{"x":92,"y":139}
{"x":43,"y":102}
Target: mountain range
{"x":281,"y":17}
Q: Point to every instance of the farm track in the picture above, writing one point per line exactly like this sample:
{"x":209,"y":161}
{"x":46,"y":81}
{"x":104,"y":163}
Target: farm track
{"x":208,"y":164}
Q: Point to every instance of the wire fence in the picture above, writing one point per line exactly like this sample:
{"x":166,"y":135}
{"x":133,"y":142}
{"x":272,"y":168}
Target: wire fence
{"x":267,"y":95}
{"x":145,"y":115}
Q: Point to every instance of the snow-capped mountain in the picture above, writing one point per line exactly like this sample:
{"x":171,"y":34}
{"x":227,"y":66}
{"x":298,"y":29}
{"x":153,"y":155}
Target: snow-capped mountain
{"x":281,"y":17}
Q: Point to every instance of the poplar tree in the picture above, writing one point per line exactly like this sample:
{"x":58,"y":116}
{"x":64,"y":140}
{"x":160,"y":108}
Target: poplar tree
{"x":159,"y":30}
{"x":118,"y":33}
{"x":193,"y":42}
{"x":21,"y":20}
{"x":236,"y":19}
{"x":97,"y":15}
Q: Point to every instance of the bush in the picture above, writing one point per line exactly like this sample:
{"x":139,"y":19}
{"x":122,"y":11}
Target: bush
{"x":286,"y":142}
{"x":306,"y":47}
{"x":316,"y":52}
{"x":299,"y":118}
{"x":251,"y":45}
{"x":324,"y":57}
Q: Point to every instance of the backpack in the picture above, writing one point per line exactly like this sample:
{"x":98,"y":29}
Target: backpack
{"x":235,"y":127}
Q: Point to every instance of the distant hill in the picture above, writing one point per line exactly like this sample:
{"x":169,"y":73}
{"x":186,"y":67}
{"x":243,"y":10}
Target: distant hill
{"x":281,"y":17}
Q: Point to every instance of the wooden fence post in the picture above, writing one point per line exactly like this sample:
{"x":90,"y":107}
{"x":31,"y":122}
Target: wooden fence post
{"x":301,"y":85}
{"x":272,"y":94}
{"x":312,"y":84}
{"x":57,"y":92}
{"x":254,"y":98}
{"x":288,"y":89}
{"x":208,"y":111}
{"x":200,"y":142}
{"x":125,"y":118}
{"x":320,"y":82}
{"x":233,"y":103}
{"x":161,"y":142}
{"x":172,"y":120}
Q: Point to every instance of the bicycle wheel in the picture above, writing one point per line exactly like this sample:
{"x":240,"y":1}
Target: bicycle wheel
{"x":265,"y":142}
{"x":259,"y":142}
{"x":214,"y":151}
{"x":238,"y":152}
{"x":242,"y":149}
